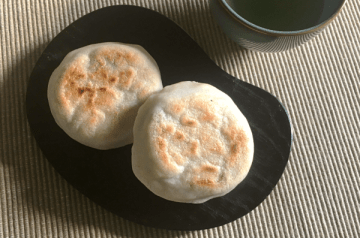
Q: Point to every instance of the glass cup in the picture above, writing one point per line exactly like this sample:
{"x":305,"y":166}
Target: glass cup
{"x":273,"y":25}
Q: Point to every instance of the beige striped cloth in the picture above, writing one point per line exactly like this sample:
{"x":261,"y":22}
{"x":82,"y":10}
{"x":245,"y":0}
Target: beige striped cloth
{"x":319,"y":84}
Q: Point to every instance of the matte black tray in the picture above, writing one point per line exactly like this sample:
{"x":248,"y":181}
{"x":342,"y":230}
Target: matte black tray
{"x":106,"y":176}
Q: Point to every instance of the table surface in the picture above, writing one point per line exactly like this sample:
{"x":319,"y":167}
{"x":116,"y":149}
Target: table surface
{"x":318,"y":82}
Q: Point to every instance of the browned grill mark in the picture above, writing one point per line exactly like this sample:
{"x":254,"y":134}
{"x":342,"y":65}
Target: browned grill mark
{"x":164,"y":129}
{"x":126,"y":77}
{"x":194,"y":147}
{"x":179,"y":160}
{"x":176,"y":107}
{"x":238,"y":143}
{"x":209,"y":169}
{"x":187,"y":121}
{"x":161,"y":143}
{"x":208,"y":117}
{"x":160,"y":147}
{"x":205,"y":176}
{"x":131,"y":57}
{"x":205,"y":182}
{"x":217,"y":147}
{"x":81,"y":91}
{"x":116,"y":56}
{"x":206,"y":109}
{"x":179,"y":135}
{"x":113,"y":79}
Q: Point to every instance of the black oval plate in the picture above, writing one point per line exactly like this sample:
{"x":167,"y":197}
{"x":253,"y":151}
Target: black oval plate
{"x":106,"y":176}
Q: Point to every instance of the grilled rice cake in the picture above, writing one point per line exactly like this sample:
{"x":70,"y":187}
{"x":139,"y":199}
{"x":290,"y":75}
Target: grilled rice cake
{"x":96,"y":91}
{"x":191,"y":143}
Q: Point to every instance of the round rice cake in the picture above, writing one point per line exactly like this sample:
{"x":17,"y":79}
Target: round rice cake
{"x":96,"y":91}
{"x":191,"y":143}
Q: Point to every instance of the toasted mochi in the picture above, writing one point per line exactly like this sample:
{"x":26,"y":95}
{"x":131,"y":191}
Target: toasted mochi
{"x":95,"y":93}
{"x":191,"y":143}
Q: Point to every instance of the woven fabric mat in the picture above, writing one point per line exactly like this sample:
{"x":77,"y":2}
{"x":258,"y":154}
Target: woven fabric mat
{"x":319,"y":84}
